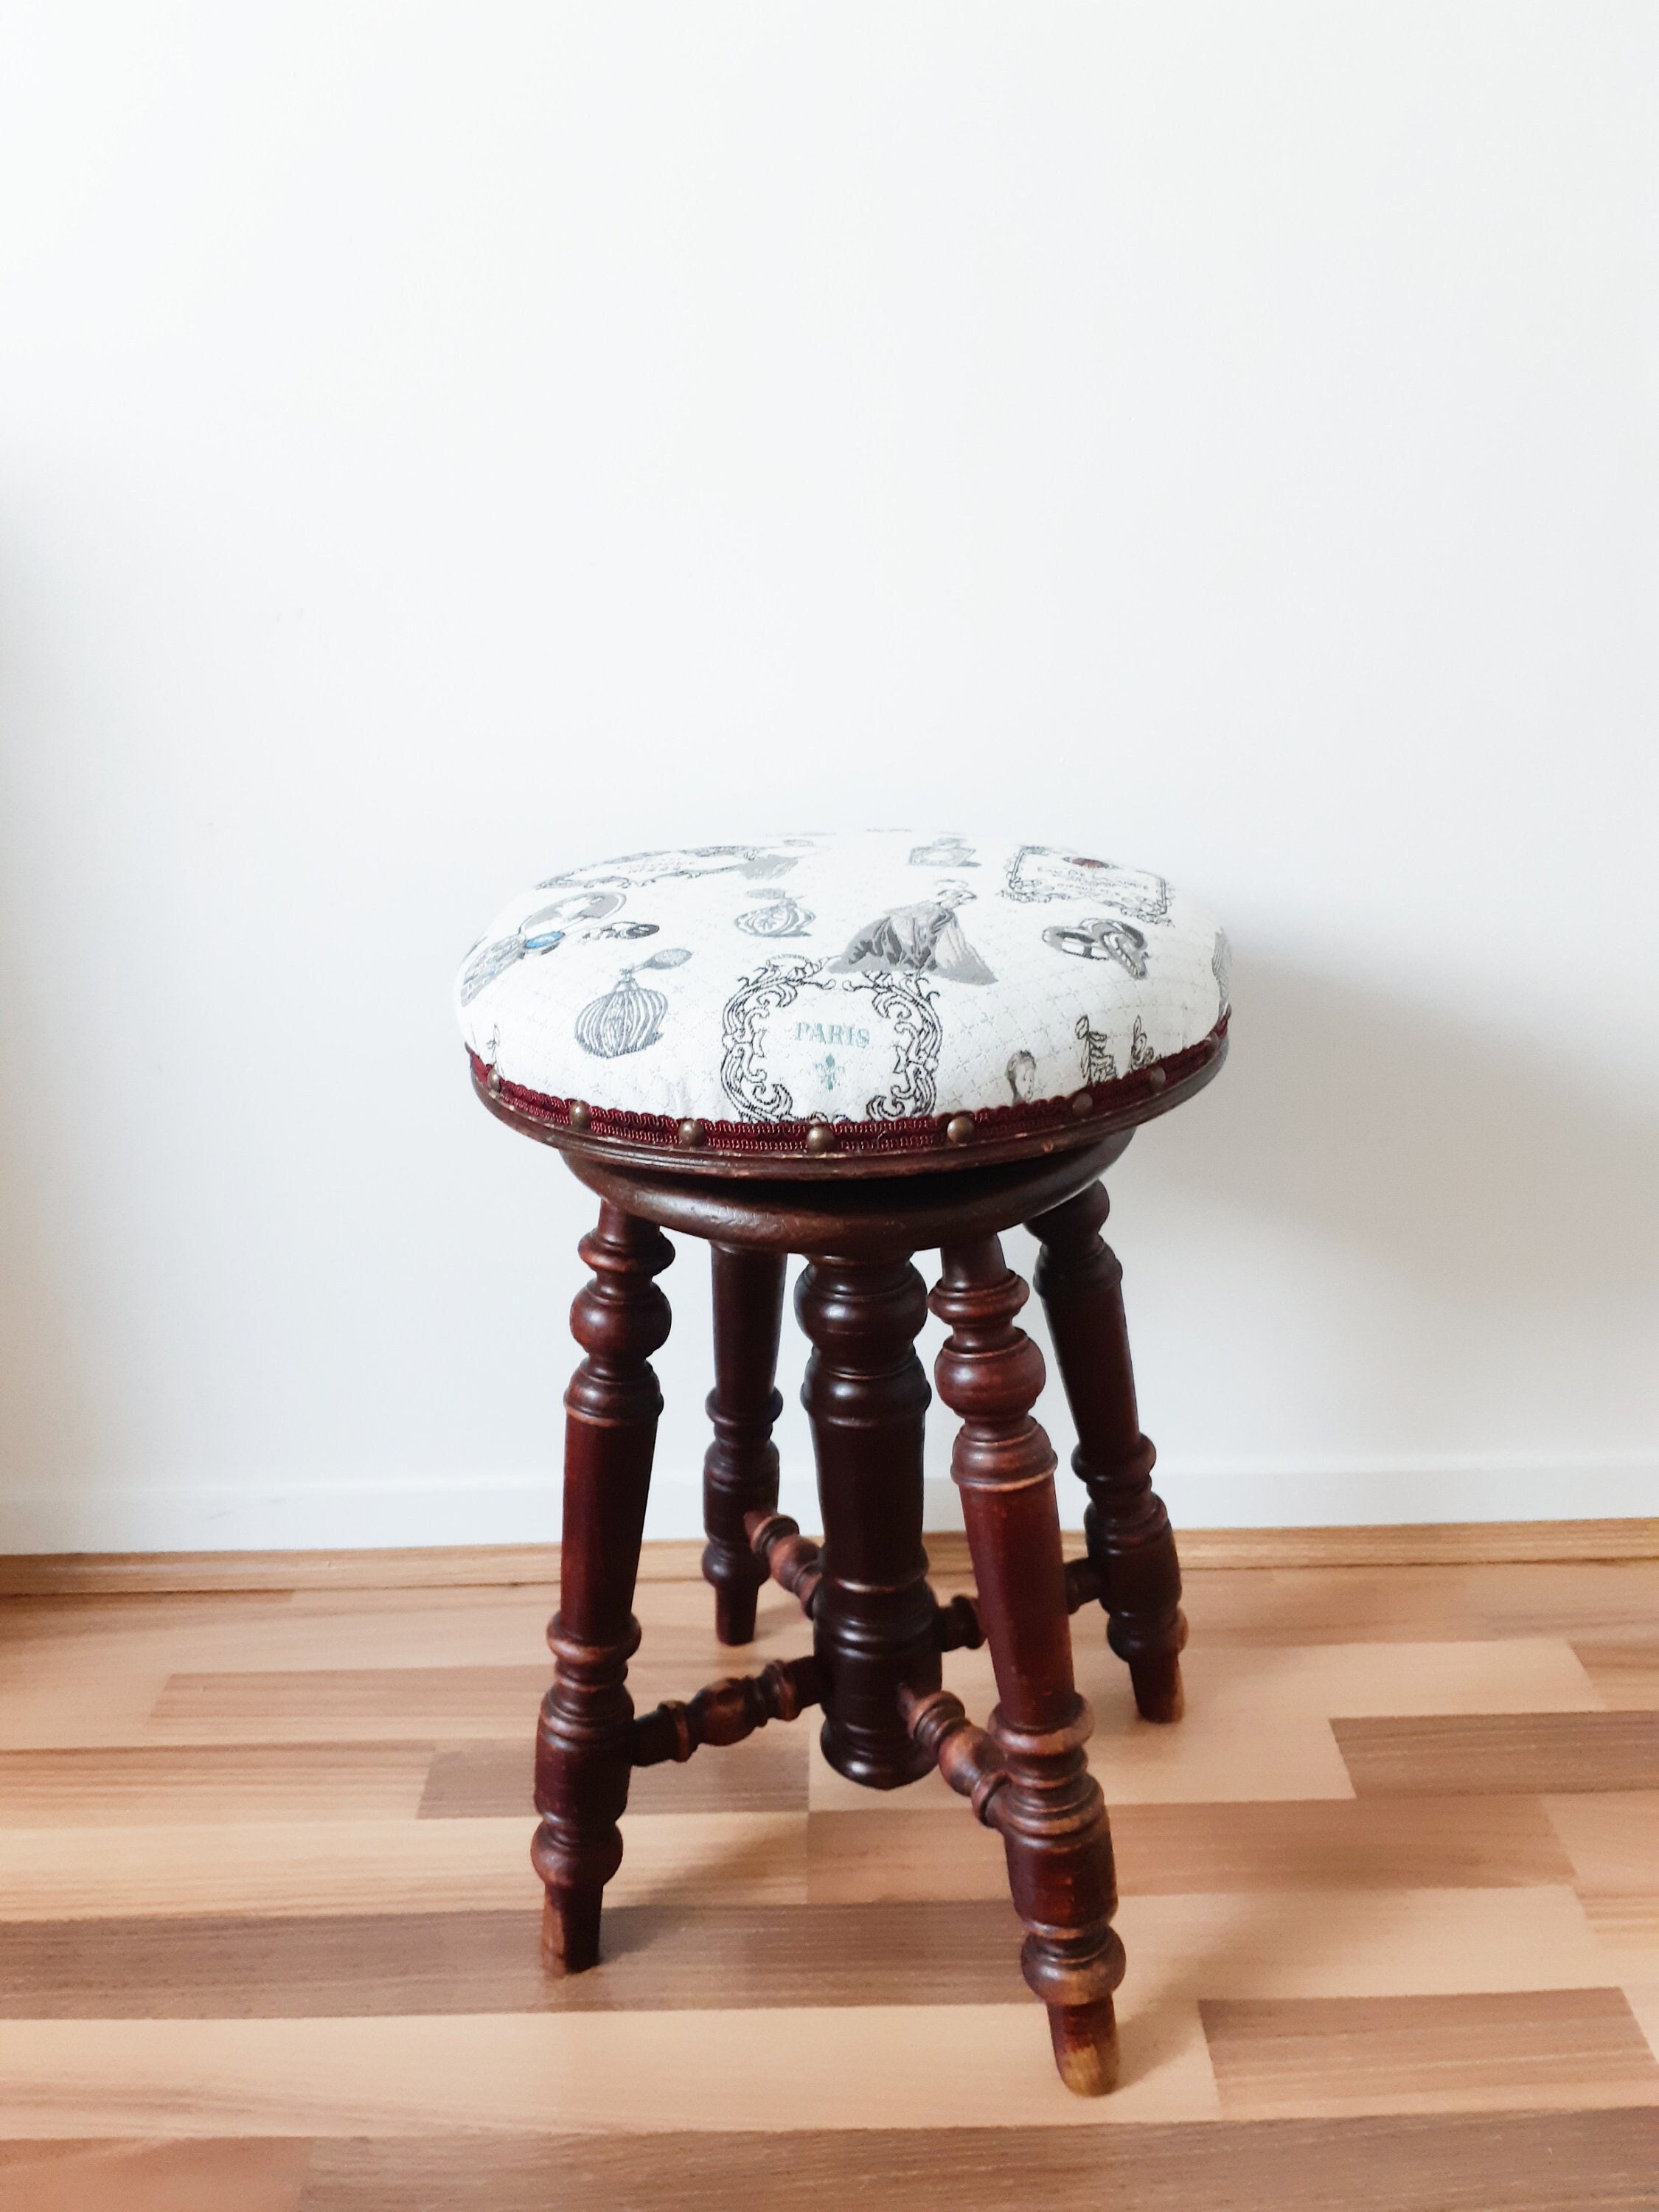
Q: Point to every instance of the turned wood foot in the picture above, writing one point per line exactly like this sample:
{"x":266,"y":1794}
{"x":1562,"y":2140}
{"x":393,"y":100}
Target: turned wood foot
{"x":584,"y":1752}
{"x":570,"y":1930}
{"x":1048,"y":1810}
{"x":1085,"y":2038}
{"x":740,"y":1471}
{"x":1156,"y":1681}
{"x":1130,"y":1540}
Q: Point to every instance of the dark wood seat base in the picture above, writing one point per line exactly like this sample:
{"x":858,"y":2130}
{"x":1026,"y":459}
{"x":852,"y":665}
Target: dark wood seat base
{"x":878,"y":1632}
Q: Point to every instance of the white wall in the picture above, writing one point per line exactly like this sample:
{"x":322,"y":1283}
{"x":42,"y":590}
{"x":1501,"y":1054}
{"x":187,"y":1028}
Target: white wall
{"x":443,"y":442}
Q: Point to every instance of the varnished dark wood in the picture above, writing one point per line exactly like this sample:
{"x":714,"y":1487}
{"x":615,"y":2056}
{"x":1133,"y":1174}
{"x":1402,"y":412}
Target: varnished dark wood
{"x":856,"y":1217}
{"x":726,"y":1712}
{"x":584,"y":1747}
{"x":740,"y":1470}
{"x":969,"y":1758}
{"x":872,"y":1617}
{"x":791,"y":1560}
{"x":1050,"y":1812}
{"x":958,"y":1626}
{"x":879,"y":1631}
{"x":1130,"y":1541}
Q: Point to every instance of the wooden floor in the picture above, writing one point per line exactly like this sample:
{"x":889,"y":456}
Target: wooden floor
{"x":1391,"y":1893}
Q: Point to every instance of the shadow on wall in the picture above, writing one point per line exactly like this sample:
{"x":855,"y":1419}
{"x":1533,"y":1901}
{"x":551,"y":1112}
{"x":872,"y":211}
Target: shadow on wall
{"x":1488,"y":1168}
{"x":49,"y":1428}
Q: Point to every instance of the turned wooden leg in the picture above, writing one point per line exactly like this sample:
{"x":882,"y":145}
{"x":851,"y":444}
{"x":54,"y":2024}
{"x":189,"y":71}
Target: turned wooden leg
{"x":1049,"y":1812}
{"x":583,"y":1750}
{"x":872,"y":1616}
{"x":740,"y":1470}
{"x":1130,"y":1540}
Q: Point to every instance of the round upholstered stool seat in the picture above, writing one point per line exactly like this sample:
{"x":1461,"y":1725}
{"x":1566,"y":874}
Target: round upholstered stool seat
{"x":895,"y":997}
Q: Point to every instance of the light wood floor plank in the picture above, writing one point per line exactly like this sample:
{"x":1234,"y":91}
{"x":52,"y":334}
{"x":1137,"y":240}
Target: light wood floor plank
{"x":1511,"y":1674}
{"x":229,"y":2175}
{"x":1330,"y":1605}
{"x":208,"y":1785}
{"x":766,"y":1774}
{"x":1613,"y":1843}
{"x":932,"y":2067}
{"x":1527,"y":2050}
{"x":1425,"y":1842}
{"x":1607,"y":1603}
{"x":1612,"y":1840}
{"x":1363,"y":1942}
{"x":1337,"y":1681}
{"x":1589,"y":2162}
{"x":66,"y":1624}
{"x":344,"y":1631}
{"x":1599,"y":2161}
{"x":937,"y":1848}
{"x":387,"y":1866}
{"x":1221,"y":1751}
{"x":44,"y":1709}
{"x":1643,"y":1998}
{"x":1423,"y":1604}
{"x":657,"y":1957}
{"x":263,"y":1872}
{"x":1625,"y":1675}
{"x":1501,"y":1754}
{"x":387,"y":1704}
{"x":366,"y":1705}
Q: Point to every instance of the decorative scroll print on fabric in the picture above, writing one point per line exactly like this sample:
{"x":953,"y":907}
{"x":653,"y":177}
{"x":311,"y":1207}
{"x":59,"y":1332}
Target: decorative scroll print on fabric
{"x":1038,"y":875}
{"x":798,"y":1043}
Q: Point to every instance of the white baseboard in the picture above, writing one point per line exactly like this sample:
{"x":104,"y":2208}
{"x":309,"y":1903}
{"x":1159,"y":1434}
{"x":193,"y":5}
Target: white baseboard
{"x":524,"y":1509}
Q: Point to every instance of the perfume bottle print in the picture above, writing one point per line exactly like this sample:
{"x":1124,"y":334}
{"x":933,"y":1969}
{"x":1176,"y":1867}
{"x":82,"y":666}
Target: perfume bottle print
{"x":629,"y":1016}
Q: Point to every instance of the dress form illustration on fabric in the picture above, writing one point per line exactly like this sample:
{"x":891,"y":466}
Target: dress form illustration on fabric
{"x":922,"y":939}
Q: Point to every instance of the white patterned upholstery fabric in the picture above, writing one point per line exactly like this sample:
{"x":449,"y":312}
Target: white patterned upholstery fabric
{"x":871,"y":977}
